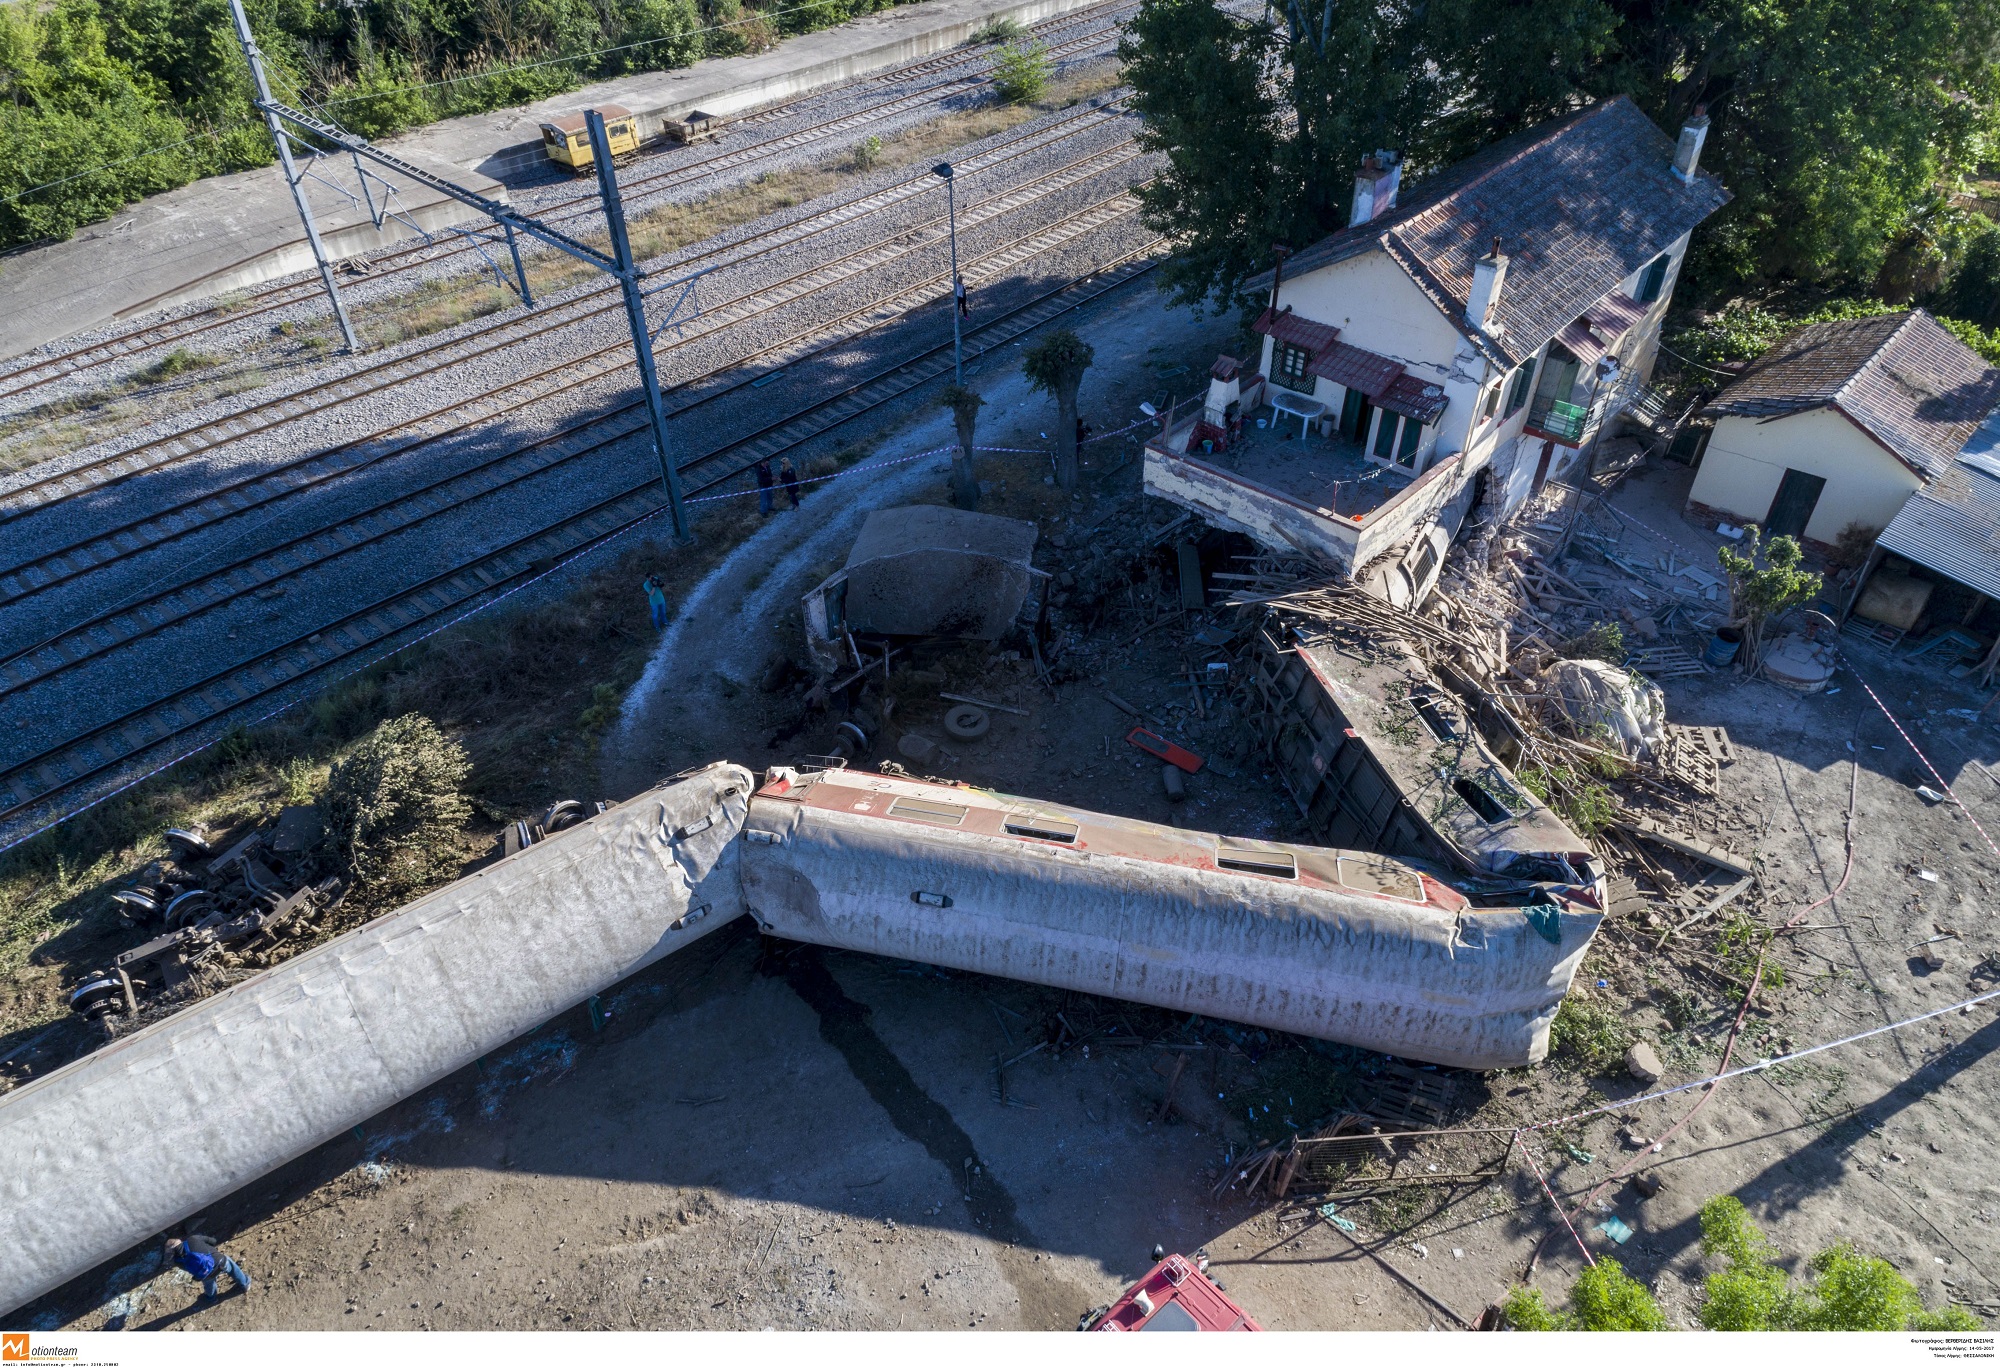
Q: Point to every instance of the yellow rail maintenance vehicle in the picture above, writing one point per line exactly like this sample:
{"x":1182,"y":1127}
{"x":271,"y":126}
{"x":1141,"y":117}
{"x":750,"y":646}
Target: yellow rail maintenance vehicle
{"x":567,"y":141}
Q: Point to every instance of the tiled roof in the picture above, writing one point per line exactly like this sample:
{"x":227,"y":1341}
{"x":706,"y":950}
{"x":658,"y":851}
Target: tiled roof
{"x":1579,"y":204}
{"x":1591,"y":337}
{"x":1899,"y":377}
{"x":1422,"y":400}
{"x":1303,"y":333}
{"x":1356,"y":369}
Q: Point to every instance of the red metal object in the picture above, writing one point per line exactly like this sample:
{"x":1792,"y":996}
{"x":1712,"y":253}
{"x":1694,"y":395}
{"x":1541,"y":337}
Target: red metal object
{"x":1154,"y":744}
{"x":1174,"y":1296}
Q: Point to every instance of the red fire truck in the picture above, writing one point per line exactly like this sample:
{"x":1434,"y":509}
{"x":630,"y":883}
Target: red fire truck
{"x":1177,"y":1294}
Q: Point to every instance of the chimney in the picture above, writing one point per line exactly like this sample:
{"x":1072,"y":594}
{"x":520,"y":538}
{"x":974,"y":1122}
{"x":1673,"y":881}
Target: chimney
{"x":1687,"y":154}
{"x":1488,"y":274}
{"x":1375,"y":186}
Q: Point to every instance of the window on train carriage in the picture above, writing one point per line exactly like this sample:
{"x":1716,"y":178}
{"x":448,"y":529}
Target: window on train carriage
{"x":1277,"y":864}
{"x":928,"y":810}
{"x":1039,"y":828}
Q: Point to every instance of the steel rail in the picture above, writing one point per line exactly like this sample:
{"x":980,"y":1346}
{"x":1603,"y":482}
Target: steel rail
{"x":64,"y":767}
{"x":310,"y":400}
{"x":129,"y":620}
{"x":47,"y":370}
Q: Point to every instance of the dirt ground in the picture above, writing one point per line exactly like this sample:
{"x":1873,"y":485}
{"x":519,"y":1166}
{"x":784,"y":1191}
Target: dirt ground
{"x":764,"y":1135}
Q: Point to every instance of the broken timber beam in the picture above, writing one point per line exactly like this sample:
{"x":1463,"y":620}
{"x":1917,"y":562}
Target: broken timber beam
{"x":1686,"y":845}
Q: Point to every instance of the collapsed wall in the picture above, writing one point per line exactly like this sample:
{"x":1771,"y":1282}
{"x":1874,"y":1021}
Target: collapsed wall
{"x":148,"y":1130}
{"x":1338,"y":945}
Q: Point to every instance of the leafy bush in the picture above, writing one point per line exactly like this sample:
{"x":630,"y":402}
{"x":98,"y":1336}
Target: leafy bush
{"x":1590,"y":1032}
{"x":394,"y":806}
{"x":1021,"y":73}
{"x":1573,"y":794}
{"x":867,"y":153}
{"x":1001,"y":28}
{"x":1605,"y":641}
{"x":1604,"y":1297}
{"x":1850,"y":1291}
{"x":1760,"y":592}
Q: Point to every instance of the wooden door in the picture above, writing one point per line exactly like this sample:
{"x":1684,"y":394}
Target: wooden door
{"x":1792,"y":509}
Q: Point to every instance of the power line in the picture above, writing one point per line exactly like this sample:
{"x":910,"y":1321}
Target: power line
{"x":122,"y":161}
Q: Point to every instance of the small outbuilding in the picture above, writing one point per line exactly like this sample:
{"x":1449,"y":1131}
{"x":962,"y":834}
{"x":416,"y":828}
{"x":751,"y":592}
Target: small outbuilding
{"x":923,"y":571}
{"x":1839,"y":424}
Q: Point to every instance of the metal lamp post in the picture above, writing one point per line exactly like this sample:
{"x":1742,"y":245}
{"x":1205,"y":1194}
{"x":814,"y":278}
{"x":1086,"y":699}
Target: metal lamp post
{"x":943,"y":169}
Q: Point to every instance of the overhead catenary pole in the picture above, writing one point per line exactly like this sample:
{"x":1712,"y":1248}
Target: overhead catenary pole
{"x":635,"y":312}
{"x":283,"y":141}
{"x":950,"y":177}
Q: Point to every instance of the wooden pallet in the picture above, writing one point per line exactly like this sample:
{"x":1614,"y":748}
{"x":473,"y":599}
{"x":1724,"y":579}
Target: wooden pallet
{"x":1666,"y":662}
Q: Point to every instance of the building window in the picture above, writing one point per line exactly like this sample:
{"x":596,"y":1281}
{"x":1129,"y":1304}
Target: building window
{"x":1519,"y":388}
{"x":1288,"y":367}
{"x":1655,"y":277}
{"x":1492,"y":400}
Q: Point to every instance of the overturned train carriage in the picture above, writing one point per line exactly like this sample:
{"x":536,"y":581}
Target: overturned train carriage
{"x":155,"y":1126}
{"x":1343,"y":946}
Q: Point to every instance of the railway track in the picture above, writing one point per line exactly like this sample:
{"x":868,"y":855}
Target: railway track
{"x":431,"y":359}
{"x":146,"y":733}
{"x":1097,"y":21}
{"x":155,"y":609}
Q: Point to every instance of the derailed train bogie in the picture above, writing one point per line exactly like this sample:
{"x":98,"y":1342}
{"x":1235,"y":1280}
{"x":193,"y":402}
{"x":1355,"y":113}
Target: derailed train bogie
{"x":206,"y":899}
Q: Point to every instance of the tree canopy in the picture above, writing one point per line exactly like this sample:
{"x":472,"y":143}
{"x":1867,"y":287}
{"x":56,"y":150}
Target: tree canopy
{"x":118,"y":99}
{"x":1834,"y":122}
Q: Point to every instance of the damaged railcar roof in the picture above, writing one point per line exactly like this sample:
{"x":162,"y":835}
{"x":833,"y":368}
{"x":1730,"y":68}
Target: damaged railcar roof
{"x":981,"y":812}
{"x":1434,"y":754}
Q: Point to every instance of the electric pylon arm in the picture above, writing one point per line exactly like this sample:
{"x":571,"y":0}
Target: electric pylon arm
{"x":500,"y":213}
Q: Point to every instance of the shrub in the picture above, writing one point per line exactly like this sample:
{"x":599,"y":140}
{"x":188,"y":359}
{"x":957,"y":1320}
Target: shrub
{"x":394,"y":806}
{"x":1851,"y":1290}
{"x":1001,"y":28}
{"x":1605,"y":641}
{"x":1021,"y":73}
{"x":1590,"y":1032}
{"x":1605,"y":1297}
{"x":867,"y":153}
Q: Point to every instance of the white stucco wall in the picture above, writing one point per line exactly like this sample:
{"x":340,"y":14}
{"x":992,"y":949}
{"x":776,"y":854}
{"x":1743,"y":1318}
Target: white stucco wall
{"x":1748,"y":457}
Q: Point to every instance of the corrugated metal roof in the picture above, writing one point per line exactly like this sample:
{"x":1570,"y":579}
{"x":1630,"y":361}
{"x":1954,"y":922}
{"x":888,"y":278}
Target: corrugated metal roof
{"x":1952,"y":525}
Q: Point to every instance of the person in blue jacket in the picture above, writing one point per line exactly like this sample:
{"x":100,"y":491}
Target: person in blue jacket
{"x":201,"y":1258}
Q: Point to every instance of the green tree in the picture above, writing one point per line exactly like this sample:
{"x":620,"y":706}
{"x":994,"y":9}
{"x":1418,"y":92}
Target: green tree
{"x":1834,"y":122}
{"x":1055,"y":366}
{"x":1021,"y":73}
{"x":964,"y":406}
{"x":394,"y":807}
{"x":1604,"y":1297}
{"x":1760,"y":592}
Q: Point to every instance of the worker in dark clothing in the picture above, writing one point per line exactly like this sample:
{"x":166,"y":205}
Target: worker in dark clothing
{"x":764,"y":481}
{"x":656,"y":599}
{"x":200,"y":1258}
{"x":790,"y":477}
{"x":958,"y":293}
{"x":1083,"y":431}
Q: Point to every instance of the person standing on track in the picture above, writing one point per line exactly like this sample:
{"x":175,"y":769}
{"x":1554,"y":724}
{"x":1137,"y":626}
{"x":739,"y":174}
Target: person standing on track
{"x":958,"y":293}
{"x":201,"y":1258}
{"x":790,"y":477}
{"x":764,"y":482}
{"x":656,"y":599}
